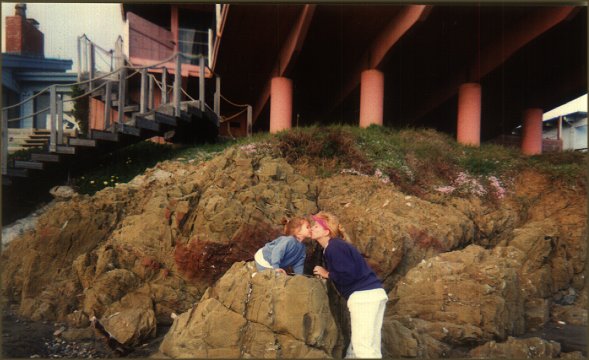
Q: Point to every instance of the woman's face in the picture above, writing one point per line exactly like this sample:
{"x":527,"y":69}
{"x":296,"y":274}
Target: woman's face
{"x":318,"y":231}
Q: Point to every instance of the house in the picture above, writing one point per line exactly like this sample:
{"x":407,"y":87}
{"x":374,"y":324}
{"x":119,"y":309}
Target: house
{"x":26,"y":71}
{"x":150,"y":41}
{"x":570,"y":128}
{"x":564,"y":132}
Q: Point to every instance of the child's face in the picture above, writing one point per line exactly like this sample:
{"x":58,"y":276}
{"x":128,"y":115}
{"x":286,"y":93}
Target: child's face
{"x":304,"y":231}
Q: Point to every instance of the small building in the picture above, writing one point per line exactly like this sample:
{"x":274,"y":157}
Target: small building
{"x":570,"y":128}
{"x":560,"y":133}
{"x":26,"y":71}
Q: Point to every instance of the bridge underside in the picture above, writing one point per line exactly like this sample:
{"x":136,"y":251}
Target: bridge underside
{"x":523,"y":56}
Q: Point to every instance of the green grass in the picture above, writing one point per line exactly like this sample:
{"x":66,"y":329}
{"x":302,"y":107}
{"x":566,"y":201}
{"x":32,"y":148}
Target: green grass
{"x":24,"y":154}
{"x":416,"y":160}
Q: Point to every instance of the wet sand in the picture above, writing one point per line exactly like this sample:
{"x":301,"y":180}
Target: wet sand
{"x":571,"y":337}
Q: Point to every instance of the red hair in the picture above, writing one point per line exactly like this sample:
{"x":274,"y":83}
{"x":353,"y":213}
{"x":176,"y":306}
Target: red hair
{"x":292,"y":226}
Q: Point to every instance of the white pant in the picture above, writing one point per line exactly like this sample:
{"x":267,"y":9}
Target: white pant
{"x":261,"y":263}
{"x":366,"y":314}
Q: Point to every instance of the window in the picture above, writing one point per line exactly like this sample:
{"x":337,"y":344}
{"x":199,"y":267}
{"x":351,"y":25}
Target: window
{"x":193,"y":33}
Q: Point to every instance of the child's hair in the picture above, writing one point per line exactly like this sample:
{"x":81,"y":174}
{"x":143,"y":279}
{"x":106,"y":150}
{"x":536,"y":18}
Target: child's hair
{"x":292,"y":226}
{"x":335,"y":227}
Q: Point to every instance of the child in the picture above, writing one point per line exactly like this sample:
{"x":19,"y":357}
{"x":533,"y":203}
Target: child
{"x":287,"y":250}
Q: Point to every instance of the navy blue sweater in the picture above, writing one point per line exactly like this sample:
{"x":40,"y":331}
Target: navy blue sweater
{"x":347,"y":268}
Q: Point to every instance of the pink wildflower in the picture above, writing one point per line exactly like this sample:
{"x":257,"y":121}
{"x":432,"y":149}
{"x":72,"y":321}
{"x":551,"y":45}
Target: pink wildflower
{"x":446,"y":189}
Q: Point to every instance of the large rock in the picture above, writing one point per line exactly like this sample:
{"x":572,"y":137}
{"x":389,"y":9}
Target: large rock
{"x":197,"y":333}
{"x":131,"y":326}
{"x":63,"y":192}
{"x":391,"y":229}
{"x":468,"y":296}
{"x":530,"y":348}
{"x":108,"y":288}
{"x":263,"y":314}
{"x":241,"y":189}
{"x":545,"y":199}
{"x":544,"y":267}
{"x":40,"y":262}
{"x":405,"y":340}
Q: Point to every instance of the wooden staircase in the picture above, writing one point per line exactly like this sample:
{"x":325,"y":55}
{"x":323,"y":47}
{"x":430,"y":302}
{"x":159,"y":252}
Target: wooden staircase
{"x":23,"y":139}
{"x":141,"y":126}
{"x":179,"y":121}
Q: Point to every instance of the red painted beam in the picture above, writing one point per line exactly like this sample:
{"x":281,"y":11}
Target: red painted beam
{"x":519,"y":35}
{"x":288,"y":54}
{"x":499,"y":51}
{"x":381,"y":46}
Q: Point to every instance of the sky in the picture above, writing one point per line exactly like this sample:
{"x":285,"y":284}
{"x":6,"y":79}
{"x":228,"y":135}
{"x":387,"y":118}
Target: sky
{"x":62,"y":23}
{"x":579,"y":104}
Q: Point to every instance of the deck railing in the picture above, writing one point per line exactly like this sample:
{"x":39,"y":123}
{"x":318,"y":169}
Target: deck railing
{"x":86,"y":65}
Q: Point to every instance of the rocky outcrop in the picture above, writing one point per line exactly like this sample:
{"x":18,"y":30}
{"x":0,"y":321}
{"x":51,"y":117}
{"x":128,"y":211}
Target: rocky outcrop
{"x":131,"y":326}
{"x":461,"y":272}
{"x":543,"y":199}
{"x":462,"y":297}
{"x":415,"y":229}
{"x":264,"y":314}
{"x":402,"y":339}
{"x":178,"y":224}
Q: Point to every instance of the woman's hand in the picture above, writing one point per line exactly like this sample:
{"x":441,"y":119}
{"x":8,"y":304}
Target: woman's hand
{"x":320,"y":270}
{"x":281,"y":271}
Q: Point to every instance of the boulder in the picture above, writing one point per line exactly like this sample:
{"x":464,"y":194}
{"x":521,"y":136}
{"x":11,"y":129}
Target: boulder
{"x":530,"y":348}
{"x":131,"y":326}
{"x":469,"y":296}
{"x":257,"y":188}
{"x":390,"y":228}
{"x":404,"y":340}
{"x":544,"y":265}
{"x":108,"y":288}
{"x":63,"y":192}
{"x":545,"y":199}
{"x":264,"y":314}
{"x":78,"y":319}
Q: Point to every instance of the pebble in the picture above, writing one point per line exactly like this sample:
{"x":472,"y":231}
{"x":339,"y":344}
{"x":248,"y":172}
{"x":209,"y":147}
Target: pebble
{"x":59,"y":331}
{"x":62,"y":349}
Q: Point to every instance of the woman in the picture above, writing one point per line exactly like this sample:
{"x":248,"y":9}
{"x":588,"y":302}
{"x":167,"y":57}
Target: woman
{"x":355,"y":281}
{"x":287,"y":250}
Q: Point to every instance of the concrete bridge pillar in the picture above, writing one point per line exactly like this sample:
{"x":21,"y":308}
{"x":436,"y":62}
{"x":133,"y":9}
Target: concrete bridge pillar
{"x":532,"y":132}
{"x":371,"y":97}
{"x":280,"y":104}
{"x":468,"y":130}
